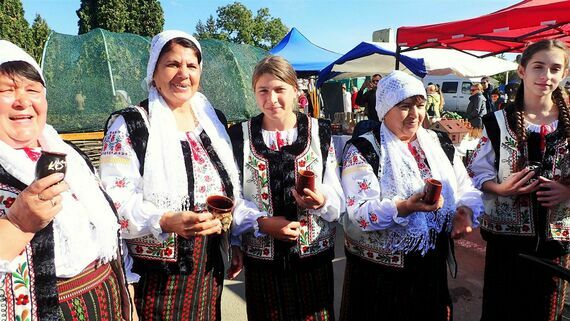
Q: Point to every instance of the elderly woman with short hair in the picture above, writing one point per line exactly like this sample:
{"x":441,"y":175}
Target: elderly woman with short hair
{"x":397,"y":242}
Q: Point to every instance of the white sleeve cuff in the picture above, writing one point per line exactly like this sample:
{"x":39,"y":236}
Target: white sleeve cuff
{"x":8,"y":266}
{"x":255,"y":224}
{"x":155,"y":229}
{"x":392,"y":210}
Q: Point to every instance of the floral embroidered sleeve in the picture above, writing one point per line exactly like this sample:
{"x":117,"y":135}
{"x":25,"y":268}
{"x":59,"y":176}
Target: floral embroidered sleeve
{"x":481,"y":167}
{"x":364,"y":205}
{"x":122,"y":180}
{"x":331,"y":189}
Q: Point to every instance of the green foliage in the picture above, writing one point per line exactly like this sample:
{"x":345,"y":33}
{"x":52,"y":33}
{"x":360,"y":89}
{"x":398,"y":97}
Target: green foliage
{"x":146,"y":17}
{"x":141,"y":17}
{"x":13,"y":25}
{"x":236,"y":23}
{"x":15,"y":28}
{"x":39,"y":33}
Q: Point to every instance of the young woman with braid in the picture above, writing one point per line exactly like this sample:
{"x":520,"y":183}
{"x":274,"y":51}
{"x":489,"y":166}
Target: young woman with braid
{"x":527,"y":208}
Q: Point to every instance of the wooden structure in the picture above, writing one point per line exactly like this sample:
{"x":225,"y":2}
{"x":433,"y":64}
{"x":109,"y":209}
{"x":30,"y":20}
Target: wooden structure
{"x":455,"y":128}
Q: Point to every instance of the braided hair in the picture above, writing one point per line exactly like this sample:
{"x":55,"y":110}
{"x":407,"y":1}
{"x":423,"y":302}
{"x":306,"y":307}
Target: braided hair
{"x":557,"y":96}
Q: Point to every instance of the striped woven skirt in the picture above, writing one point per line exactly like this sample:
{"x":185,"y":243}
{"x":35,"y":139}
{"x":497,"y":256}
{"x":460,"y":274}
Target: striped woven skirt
{"x":291,"y":295}
{"x":195,"y":297}
{"x":92,"y":295}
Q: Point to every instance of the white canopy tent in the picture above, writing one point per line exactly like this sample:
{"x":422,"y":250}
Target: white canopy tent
{"x":436,"y":62}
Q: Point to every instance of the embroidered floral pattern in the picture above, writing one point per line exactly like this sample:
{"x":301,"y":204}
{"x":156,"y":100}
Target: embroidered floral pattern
{"x":147,"y":247}
{"x":16,"y":287}
{"x":116,"y":143}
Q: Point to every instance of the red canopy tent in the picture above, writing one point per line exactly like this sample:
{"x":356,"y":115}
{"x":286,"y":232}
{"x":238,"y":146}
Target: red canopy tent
{"x":506,"y":30}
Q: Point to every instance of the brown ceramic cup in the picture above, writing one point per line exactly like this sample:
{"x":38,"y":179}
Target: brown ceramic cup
{"x":221,"y":208}
{"x":432,"y":191}
{"x":49,"y":163}
{"x":305,"y":179}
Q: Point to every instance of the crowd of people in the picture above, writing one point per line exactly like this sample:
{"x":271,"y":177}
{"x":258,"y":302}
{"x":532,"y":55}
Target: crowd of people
{"x":139,"y":241}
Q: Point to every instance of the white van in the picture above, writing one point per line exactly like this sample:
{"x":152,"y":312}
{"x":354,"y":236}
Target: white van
{"x":456,"y":90}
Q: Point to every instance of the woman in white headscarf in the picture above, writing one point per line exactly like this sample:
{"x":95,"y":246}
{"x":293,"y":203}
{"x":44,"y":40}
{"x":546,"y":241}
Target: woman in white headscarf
{"x":396,"y":242}
{"x":160,"y":161}
{"x":59,"y":234}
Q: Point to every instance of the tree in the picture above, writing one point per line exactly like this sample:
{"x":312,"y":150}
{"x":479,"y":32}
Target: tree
{"x":236,"y":23}
{"x":146,"y":17}
{"x":87,"y":16}
{"x":39,"y":33}
{"x":112,"y":15}
{"x":13,"y":25}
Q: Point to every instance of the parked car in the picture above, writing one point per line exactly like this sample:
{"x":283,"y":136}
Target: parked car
{"x":456,"y":91}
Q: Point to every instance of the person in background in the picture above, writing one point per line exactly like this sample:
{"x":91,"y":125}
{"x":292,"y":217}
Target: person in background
{"x":487,"y":90}
{"x":346,"y":100}
{"x":353,"y":103}
{"x":441,"y":98}
{"x":433,"y":102}
{"x":367,"y":96}
{"x":522,"y":164}
{"x":476,"y":109}
{"x":59,"y":247}
{"x":497,"y":99}
{"x":396,"y":241}
{"x":288,"y":241}
{"x":160,"y":161}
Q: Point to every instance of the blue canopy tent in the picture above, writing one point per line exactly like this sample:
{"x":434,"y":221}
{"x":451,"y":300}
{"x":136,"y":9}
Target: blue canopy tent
{"x":305,"y":57}
{"x":366,"y":59}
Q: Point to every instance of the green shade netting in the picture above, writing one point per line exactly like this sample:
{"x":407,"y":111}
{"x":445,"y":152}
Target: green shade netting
{"x":91,"y":75}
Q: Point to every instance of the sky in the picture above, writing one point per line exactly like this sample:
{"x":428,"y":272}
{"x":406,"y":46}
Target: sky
{"x":332,"y":24}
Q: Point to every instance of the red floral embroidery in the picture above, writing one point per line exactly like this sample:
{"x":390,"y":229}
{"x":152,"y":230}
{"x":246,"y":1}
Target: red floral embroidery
{"x":395,"y":259}
{"x":118,"y":147}
{"x":565,"y":233}
{"x":363,"y":223}
{"x":264,"y":196}
{"x":266,"y":251}
{"x":139,"y":249}
{"x":363,"y":185}
{"x":373,"y":218}
{"x":301,"y":163}
{"x":120,"y":183}
{"x":350,"y":201}
{"x":261,"y":167}
{"x":9,"y":201}
{"x":117,"y":205}
{"x":167,"y":251}
{"x":303,"y":222}
{"x":305,"y":249}
{"x":124,"y":224}
{"x":22,"y":299}
{"x":325,"y":243}
{"x":370,"y":254}
{"x":525,"y":228}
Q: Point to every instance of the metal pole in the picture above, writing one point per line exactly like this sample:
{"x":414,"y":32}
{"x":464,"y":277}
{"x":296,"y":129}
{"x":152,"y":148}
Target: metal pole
{"x":398,"y":49}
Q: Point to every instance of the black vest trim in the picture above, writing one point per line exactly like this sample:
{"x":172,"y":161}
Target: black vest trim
{"x":45,"y":282}
{"x":492,"y":128}
{"x":236,"y":136}
{"x":325,"y":133}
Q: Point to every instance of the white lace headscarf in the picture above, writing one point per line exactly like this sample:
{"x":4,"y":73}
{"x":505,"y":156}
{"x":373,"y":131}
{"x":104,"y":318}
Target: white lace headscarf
{"x":165,"y":180}
{"x":400,"y":176}
{"x":82,"y":182}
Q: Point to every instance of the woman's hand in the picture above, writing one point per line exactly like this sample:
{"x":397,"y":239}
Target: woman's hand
{"x":38,"y":204}
{"x":279,"y":227}
{"x":189,"y":224}
{"x":515,"y":184}
{"x":236,"y":265}
{"x":311,"y":200}
{"x":552,"y":193}
{"x":462,"y":222}
{"x":415,"y":203}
